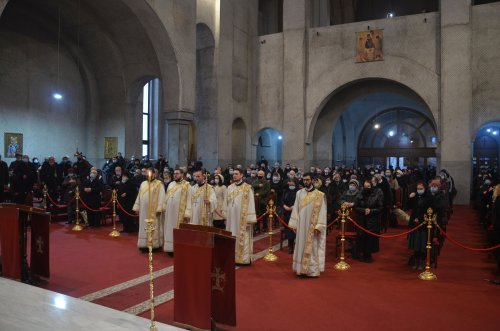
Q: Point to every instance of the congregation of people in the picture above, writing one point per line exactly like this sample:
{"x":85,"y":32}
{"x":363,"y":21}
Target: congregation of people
{"x":233,"y":198}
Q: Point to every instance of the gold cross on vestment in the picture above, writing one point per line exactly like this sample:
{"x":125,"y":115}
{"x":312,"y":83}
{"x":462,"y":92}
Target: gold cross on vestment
{"x":39,"y":245}
{"x":218,"y":277}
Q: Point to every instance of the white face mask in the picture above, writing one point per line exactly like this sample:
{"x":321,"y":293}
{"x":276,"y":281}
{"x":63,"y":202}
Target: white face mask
{"x":291,"y":187}
{"x":276,"y":180}
{"x":420,"y":192}
{"x":316,"y":185}
{"x":216,"y":180}
{"x":124,"y":180}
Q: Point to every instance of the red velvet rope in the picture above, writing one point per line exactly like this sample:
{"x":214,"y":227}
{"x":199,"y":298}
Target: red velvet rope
{"x":261,"y":217}
{"x":466,"y":247}
{"x":59,"y":206}
{"x":123,"y":210}
{"x":333,"y":222}
{"x":281,"y":221}
{"x":385,"y":236}
{"x":87,"y":207}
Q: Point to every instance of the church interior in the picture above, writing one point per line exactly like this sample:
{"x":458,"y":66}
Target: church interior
{"x":343,"y":85}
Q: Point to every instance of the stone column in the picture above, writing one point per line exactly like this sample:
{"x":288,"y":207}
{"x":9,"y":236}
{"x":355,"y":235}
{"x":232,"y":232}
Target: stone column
{"x":177,"y":137}
{"x":456,"y":93}
{"x":294,"y":77}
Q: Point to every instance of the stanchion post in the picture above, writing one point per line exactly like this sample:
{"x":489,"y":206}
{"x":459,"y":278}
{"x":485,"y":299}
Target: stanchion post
{"x":430,"y":218}
{"x":150,"y":228}
{"x":270,"y":210}
{"x":44,"y":196}
{"x":77,"y":226}
{"x":114,"y":233}
{"x":342,"y":264}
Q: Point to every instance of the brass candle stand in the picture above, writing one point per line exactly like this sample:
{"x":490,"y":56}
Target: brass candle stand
{"x":430,"y":218}
{"x":114,"y":233}
{"x":150,"y":228}
{"x":77,"y":226}
{"x":342,"y":264}
{"x":270,"y":210}
{"x":45,"y":197}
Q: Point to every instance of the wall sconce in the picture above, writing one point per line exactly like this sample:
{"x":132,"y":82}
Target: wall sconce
{"x":262,"y":42}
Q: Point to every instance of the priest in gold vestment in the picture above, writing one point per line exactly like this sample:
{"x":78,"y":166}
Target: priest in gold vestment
{"x":240,"y":212}
{"x":175,"y":203}
{"x":308,"y":220}
{"x":150,"y":192}
{"x":202,"y":201}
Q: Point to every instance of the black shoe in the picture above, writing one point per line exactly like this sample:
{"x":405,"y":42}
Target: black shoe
{"x":368,"y":259}
{"x":171,"y":254}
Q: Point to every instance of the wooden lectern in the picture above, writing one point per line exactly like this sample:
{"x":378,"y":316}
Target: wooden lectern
{"x":14,"y":222}
{"x":204,"y":277}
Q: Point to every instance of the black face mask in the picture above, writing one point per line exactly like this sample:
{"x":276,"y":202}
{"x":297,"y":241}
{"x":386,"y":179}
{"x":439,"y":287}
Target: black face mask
{"x":261,"y":177}
{"x":367,"y":191}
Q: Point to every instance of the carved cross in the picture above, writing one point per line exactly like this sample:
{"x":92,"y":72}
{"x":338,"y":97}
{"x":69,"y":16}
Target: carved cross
{"x":219,"y":279}
{"x":39,"y":245}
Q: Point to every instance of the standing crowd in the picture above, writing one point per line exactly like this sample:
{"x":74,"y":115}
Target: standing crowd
{"x":233,"y":198}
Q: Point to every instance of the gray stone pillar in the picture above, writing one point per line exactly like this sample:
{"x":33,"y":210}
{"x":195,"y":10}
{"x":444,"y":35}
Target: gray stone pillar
{"x":177,"y":137}
{"x":456,"y":94}
{"x":294,"y":77}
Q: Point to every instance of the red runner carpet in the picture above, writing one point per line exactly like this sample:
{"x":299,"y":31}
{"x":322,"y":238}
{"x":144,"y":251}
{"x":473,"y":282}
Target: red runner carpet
{"x":385,"y":294}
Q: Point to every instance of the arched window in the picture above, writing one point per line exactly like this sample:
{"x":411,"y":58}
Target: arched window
{"x":150,"y":105}
{"x":398,"y":138}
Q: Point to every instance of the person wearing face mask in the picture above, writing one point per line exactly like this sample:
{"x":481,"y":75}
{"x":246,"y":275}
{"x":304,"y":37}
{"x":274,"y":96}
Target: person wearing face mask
{"x":289,"y":195}
{"x":308,"y":220}
{"x":90,"y":191}
{"x":219,"y":214}
{"x":23,"y":178}
{"x":81,"y":166}
{"x":174,"y":205}
{"x":126,"y":194}
{"x":439,"y":203}
{"x":276,"y":192}
{"x":116,"y":178}
{"x":485,"y":198}
{"x":68,"y":187}
{"x":50,"y":176}
{"x":349,"y":196}
{"x":261,"y":188}
{"x":418,"y":202}
{"x":368,"y":207}
{"x":4,"y":178}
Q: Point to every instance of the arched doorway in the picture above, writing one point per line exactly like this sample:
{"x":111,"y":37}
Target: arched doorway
{"x":269,"y":145}
{"x":486,"y":149}
{"x":351,"y":109}
{"x":398,"y":138}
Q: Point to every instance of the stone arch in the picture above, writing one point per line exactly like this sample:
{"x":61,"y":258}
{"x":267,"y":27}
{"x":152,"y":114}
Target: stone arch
{"x":424,"y":82}
{"x":268,"y":142}
{"x":350,"y":102}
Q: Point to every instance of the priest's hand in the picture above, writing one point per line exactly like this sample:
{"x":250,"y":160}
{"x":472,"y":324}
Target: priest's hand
{"x":87,"y":189}
{"x":123,"y":195}
{"x":367,"y":211}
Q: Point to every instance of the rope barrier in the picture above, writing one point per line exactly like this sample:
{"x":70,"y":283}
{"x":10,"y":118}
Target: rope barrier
{"x":261,"y":217}
{"x":87,"y":207}
{"x":57,"y":205}
{"x":123,"y":210}
{"x":281,"y":221}
{"x":385,"y":236}
{"x":333,"y":222}
{"x":464,"y":246}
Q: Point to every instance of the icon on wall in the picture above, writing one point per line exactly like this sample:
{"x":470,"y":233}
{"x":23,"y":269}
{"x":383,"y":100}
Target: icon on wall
{"x":369,"y":46}
{"x":110,"y":147}
{"x":13,"y":144}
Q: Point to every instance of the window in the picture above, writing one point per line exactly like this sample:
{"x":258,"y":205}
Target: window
{"x":270,"y":16}
{"x":146,"y":108}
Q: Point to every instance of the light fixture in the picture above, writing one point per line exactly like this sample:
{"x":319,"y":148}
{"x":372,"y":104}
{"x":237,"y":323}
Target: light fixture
{"x":391,"y":133}
{"x":57,"y":95}
{"x":390,"y":14}
{"x":376,"y":126}
{"x":495,"y":132}
{"x":488,"y":130}
{"x":280,"y":137}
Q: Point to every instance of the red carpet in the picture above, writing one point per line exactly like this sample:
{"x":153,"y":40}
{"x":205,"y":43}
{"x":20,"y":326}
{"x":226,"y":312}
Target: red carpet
{"x":385,"y":294}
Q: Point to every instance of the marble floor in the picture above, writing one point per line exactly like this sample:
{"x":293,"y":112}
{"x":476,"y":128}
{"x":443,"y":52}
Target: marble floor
{"x":27,"y":308}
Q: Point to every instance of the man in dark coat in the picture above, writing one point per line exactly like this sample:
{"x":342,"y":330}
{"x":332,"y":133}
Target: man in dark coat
{"x":368,"y":206}
{"x":127,"y":193}
{"x":50,"y":176}
{"x":23,"y":178}
{"x":4,"y":179}
{"x":90,"y":192}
